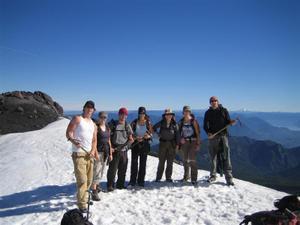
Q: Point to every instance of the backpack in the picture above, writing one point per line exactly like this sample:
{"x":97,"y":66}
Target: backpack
{"x":148,"y":124}
{"x":288,"y":213}
{"x":113,"y":126}
{"x":74,"y":217}
{"x":193,"y":120}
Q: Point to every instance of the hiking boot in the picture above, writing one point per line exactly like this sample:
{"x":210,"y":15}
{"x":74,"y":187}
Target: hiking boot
{"x":98,"y":188}
{"x":141,"y":184}
{"x":120,"y":187}
{"x":211,"y":179}
{"x":230,"y":183}
{"x":83,"y":210}
{"x":184,"y":180}
{"x":169,"y":180}
{"x":95,"y":196}
{"x":130,"y":184}
{"x":110,"y":189}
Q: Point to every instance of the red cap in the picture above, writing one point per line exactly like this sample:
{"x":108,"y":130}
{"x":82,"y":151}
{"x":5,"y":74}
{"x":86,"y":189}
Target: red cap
{"x":123,"y":111}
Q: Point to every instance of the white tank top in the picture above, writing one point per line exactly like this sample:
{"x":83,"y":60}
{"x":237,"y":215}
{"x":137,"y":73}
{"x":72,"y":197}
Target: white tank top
{"x":84,"y":134}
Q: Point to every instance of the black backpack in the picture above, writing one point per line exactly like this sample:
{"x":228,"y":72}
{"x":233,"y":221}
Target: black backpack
{"x":288,"y":213}
{"x":74,"y":217}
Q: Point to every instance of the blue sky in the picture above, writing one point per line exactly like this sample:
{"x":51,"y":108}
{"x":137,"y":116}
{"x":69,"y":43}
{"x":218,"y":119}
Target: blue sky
{"x":154,"y":53}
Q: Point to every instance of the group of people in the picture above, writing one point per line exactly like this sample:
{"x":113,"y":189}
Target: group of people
{"x":98,"y":144}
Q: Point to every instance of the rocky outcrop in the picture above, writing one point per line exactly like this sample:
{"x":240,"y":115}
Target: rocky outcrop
{"x":25,"y":111}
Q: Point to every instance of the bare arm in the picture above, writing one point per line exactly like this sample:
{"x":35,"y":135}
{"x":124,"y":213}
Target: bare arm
{"x":94,"y":151}
{"x":71,"y":128}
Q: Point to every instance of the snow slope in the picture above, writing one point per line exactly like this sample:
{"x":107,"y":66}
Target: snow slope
{"x":37,"y":187}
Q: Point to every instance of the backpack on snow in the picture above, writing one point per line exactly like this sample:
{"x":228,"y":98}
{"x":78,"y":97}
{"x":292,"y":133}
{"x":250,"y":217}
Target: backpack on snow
{"x":74,"y":217}
{"x":288,"y":213}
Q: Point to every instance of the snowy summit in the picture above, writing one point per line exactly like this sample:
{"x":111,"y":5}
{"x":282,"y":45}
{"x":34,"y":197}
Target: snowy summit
{"x":38,"y":187}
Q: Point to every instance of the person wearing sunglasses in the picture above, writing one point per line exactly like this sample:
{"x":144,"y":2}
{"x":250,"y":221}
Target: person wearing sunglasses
{"x":142,"y":131}
{"x":104,"y":152}
{"x":215,"y":119}
{"x":169,"y":140}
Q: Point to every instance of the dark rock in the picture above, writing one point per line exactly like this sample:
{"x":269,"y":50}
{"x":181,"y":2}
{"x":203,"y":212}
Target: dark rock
{"x":25,"y":111}
{"x":60,"y":109}
{"x":19,"y":109}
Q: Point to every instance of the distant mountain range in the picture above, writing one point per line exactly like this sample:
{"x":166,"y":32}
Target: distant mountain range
{"x":254,"y":125}
{"x":262,"y":162}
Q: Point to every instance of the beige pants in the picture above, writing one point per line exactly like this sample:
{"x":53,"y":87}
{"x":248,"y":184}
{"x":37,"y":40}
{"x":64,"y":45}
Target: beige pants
{"x":83,"y":168}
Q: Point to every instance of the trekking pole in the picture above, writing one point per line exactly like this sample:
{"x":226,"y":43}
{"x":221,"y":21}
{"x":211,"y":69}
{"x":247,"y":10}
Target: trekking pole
{"x":224,"y":128}
{"x":89,"y":201}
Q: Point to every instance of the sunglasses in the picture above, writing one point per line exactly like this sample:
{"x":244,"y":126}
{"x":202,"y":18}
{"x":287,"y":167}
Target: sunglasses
{"x":103,"y":117}
{"x":213,"y":100}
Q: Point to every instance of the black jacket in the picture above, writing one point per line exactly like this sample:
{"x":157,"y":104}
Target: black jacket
{"x":170,"y":133}
{"x":216,"y":119}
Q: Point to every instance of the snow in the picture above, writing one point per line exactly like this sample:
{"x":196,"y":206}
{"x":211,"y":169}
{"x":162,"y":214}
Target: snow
{"x":38,"y":186}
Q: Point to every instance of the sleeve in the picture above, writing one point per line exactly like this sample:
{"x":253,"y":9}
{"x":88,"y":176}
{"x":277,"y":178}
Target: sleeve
{"x":177,"y":134}
{"x":156,"y":126}
{"x":197,"y":129}
{"x":227,"y":117}
{"x":129,"y":129}
{"x":206,"y":123}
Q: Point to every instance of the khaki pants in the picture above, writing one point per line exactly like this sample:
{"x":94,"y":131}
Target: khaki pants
{"x":188,"y":155}
{"x":83,"y":168}
{"x":99,"y":167}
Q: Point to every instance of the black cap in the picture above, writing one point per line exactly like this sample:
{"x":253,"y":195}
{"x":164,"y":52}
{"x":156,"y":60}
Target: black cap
{"x":142,"y":110}
{"x":89,"y":104}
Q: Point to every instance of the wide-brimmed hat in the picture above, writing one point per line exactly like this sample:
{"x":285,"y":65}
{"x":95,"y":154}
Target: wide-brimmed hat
{"x":169,"y":112}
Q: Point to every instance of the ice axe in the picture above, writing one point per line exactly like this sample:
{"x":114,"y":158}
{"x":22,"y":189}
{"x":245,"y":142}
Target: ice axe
{"x":224,"y":128}
{"x":86,"y":151}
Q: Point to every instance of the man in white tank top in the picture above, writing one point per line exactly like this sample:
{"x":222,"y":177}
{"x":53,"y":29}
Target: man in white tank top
{"x":82,"y":133}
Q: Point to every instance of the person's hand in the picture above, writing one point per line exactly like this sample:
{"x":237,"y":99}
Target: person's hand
{"x":182,"y":141}
{"x":139,"y":139}
{"x":110,"y":158}
{"x":177,"y":147}
{"x":147,"y":136}
{"x":210,"y":135}
{"x":232,"y":122}
{"x":75,"y":142}
{"x":112,"y":150}
{"x":197,"y":146}
{"x":131,"y":140}
{"x":94,"y":154}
